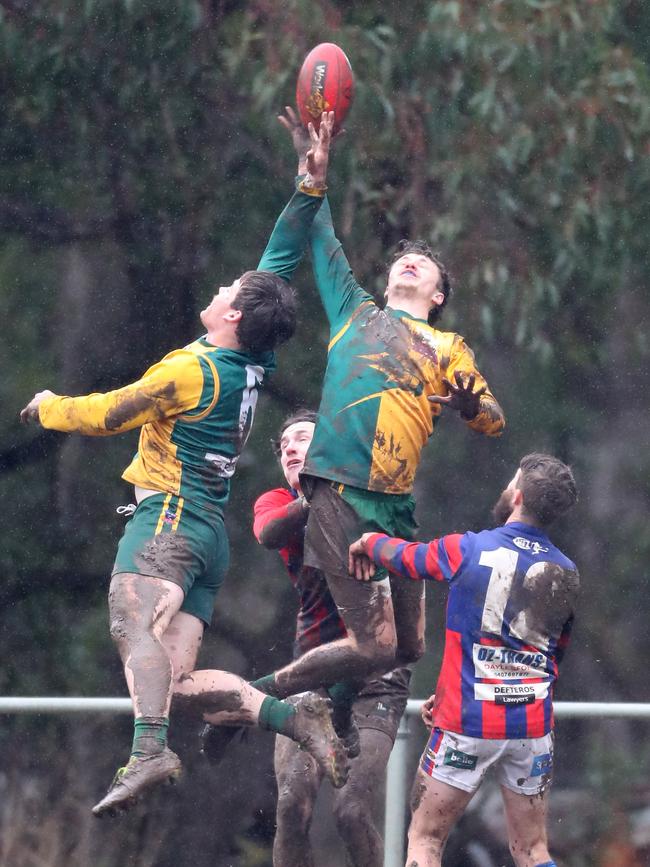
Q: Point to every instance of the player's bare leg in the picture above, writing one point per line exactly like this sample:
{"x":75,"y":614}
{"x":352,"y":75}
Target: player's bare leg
{"x":369,"y":648}
{"x":526,"y":818}
{"x":141,"y":609}
{"x":357,"y":805}
{"x":226,"y":699}
{"x":435,"y":808}
{"x":298,"y":778}
{"x":409,"y":608}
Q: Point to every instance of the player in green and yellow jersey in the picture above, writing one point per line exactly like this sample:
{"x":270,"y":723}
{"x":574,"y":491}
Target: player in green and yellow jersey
{"x":389,"y":372}
{"x":195,"y":409}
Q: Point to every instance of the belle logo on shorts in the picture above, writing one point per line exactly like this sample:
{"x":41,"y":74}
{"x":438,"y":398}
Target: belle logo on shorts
{"x":527,"y":545}
{"x":458,"y":759}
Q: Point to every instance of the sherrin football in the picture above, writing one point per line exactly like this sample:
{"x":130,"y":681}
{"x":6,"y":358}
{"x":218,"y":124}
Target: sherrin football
{"x":325,"y":83}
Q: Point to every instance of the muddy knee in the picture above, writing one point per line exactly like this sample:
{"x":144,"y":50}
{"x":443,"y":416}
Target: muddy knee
{"x":410,"y":651}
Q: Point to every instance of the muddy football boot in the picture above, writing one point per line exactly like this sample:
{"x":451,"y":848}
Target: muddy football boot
{"x":314,"y":731}
{"x":141,"y":773}
{"x":215,"y":740}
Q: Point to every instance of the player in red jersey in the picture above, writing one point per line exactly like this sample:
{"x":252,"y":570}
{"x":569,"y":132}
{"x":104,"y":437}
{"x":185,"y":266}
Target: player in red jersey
{"x":280,"y":519}
{"x":509,"y":618}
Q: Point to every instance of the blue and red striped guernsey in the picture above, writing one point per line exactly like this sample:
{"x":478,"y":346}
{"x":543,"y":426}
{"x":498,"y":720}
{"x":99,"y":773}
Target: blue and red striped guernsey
{"x":318,"y":617}
{"x":509,"y":618}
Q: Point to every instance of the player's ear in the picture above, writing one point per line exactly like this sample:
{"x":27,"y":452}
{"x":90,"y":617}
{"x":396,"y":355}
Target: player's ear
{"x":517,"y":498}
{"x":437,"y":299}
{"x":232,"y":315}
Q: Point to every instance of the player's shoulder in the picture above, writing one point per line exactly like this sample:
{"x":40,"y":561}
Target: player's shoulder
{"x":273,"y":498}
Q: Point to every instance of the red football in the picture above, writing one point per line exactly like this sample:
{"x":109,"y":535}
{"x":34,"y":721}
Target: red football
{"x":325,"y":83}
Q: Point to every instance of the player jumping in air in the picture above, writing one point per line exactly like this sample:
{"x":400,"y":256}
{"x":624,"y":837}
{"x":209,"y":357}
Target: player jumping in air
{"x":280,"y":518}
{"x":195,"y":409}
{"x":509,"y":617}
{"x":389,"y":372}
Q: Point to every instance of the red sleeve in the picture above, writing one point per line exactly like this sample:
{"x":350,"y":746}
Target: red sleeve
{"x":271,"y":506}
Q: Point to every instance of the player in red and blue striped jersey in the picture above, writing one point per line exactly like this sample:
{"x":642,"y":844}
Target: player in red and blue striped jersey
{"x":509,"y":617}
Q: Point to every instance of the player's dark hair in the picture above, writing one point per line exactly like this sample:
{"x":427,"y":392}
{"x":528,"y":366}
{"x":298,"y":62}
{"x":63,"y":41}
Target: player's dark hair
{"x":548,"y":487}
{"x":444,"y":284}
{"x":295,"y":418}
{"x":268,"y":307}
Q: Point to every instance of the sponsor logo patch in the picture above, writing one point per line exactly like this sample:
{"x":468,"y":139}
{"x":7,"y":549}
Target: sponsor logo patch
{"x":459,"y":759}
{"x":527,"y":545}
{"x":506,"y":663}
{"x":542,"y":765}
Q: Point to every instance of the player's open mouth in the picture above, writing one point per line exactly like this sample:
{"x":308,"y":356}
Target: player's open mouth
{"x":408,"y":273}
{"x":291,"y":465}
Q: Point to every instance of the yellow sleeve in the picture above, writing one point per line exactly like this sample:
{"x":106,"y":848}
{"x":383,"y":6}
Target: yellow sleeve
{"x":490,"y":419}
{"x":169,"y":388}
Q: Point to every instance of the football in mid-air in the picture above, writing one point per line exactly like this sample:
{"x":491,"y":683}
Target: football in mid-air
{"x":325,"y":83}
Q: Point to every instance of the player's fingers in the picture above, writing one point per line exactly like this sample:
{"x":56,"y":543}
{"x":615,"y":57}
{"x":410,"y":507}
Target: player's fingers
{"x":470,"y":382}
{"x":371,"y":568}
{"x":285,"y":123}
{"x":27,"y":413}
{"x":449,"y":385}
{"x":293,"y":117}
{"x":439,"y":398}
{"x":481,"y":391}
{"x":458,"y":376}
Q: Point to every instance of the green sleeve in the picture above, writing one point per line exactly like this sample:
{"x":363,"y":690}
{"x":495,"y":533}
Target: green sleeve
{"x":339,"y":291}
{"x":290,"y":235}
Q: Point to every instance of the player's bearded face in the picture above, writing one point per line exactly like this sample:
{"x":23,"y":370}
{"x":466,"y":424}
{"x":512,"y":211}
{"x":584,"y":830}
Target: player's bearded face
{"x":503,"y":507}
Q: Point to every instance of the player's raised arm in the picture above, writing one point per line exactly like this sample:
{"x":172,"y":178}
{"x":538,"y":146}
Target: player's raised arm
{"x":290,"y":235}
{"x":171,"y":387}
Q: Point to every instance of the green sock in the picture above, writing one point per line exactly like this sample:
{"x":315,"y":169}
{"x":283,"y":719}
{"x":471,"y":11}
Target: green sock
{"x":277,"y":716}
{"x":343,"y":695}
{"x":265,"y":684}
{"x":149,"y":735}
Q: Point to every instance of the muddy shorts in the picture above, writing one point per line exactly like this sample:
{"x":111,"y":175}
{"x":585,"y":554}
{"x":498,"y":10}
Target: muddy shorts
{"x":523,"y":765}
{"x":381,"y":702}
{"x":339,"y":514}
{"x":169,"y":538}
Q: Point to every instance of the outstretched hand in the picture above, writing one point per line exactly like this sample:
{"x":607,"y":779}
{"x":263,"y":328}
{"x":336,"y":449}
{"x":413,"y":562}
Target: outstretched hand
{"x":303,"y":139}
{"x":462,"y":396}
{"x":30,"y":412}
{"x":360,"y":565}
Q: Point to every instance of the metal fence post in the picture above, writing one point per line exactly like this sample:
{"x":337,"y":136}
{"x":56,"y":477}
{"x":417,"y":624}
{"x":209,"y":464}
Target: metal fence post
{"x":396,"y":797}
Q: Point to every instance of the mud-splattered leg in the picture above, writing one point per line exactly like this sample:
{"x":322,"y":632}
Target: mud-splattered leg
{"x":369,"y":648}
{"x":298,"y":778}
{"x":526,"y":817}
{"x":358,"y":803}
{"x":435,"y":808}
{"x":141,"y":609}
{"x":408,"y":605}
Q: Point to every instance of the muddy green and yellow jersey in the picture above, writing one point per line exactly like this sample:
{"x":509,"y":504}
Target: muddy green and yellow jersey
{"x":382,"y":366}
{"x":196,"y":406}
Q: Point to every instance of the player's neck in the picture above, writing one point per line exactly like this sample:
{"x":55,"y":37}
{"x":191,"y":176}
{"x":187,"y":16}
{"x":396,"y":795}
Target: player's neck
{"x":224,"y":337}
{"x":521,"y":516}
{"x":415,"y":307}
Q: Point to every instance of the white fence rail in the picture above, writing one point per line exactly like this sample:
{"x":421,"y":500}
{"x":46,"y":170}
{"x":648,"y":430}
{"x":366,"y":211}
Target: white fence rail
{"x":396,"y":782}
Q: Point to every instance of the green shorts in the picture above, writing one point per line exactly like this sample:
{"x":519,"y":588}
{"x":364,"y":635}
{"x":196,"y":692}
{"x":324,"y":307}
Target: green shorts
{"x":339,"y":514}
{"x":169,"y":538}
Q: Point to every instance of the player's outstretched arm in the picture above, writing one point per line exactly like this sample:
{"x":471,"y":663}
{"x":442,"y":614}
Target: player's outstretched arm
{"x":290,"y":235}
{"x":169,"y":388}
{"x":438,"y":560}
{"x":468,"y":392}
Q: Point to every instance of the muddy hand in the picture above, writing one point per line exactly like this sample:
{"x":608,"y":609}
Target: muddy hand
{"x":461,"y":396}
{"x":299,"y":136}
{"x":30,"y":412}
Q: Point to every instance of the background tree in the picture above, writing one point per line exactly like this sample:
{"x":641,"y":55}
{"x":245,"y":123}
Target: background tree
{"x":142,"y":165}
